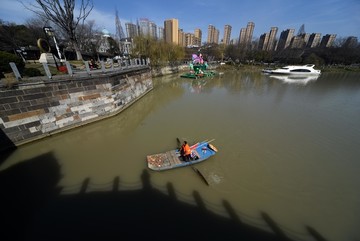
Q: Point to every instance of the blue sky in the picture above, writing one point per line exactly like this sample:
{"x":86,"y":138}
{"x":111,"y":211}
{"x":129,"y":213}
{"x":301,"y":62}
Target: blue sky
{"x":341,"y":17}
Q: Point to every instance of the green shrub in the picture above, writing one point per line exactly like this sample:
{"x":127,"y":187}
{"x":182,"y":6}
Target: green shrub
{"x":31,"y":72}
{"x":6,"y":58}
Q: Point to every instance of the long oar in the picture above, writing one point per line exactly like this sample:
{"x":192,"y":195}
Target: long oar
{"x":194,"y":168}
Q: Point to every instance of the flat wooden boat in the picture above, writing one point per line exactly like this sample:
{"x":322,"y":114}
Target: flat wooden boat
{"x":172,"y":159}
{"x":192,"y":75}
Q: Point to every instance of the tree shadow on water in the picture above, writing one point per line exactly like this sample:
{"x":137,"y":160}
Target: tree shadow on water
{"x":35,"y":209}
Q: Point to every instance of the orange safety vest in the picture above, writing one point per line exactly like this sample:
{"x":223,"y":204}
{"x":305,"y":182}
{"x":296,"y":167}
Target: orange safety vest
{"x":187,"y":150}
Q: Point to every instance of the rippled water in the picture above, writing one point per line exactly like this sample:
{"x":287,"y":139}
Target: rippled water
{"x":287,"y":147}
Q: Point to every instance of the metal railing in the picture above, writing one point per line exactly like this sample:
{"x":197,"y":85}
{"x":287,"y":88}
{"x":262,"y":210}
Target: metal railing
{"x":87,"y":69}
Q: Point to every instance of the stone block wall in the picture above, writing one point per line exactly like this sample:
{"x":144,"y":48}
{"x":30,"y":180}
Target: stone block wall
{"x":35,"y":110}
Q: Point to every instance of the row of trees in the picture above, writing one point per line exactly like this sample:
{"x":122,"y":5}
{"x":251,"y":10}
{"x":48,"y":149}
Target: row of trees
{"x":159,"y":52}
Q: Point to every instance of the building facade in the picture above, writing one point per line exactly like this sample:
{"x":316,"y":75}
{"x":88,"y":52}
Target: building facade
{"x":198,"y":37}
{"x":213,"y":35}
{"x":246,"y":35}
{"x":227,"y":34}
{"x":171,"y":30}
{"x":182,"y":38}
{"x":285,"y":39}
{"x":272,"y":39}
{"x":263,"y":41}
{"x":131,"y":30}
{"x":351,"y":42}
{"x":160,"y":33}
{"x":327,"y":40}
{"x":190,"y":40}
{"x":147,"y":28}
{"x":314,"y":40}
{"x":242,"y":36}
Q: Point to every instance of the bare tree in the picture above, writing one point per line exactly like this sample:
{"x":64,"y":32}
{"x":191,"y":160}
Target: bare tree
{"x":35,"y":25}
{"x":88,"y":36}
{"x":61,"y":13}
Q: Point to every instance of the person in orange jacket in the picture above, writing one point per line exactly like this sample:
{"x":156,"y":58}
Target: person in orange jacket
{"x":185,"y":152}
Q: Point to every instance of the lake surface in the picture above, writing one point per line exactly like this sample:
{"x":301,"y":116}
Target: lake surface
{"x":289,"y":148}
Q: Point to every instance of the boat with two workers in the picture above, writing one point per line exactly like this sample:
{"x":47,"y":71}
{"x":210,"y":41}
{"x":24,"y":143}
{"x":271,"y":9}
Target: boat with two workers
{"x":307,"y":69}
{"x":198,"y":68}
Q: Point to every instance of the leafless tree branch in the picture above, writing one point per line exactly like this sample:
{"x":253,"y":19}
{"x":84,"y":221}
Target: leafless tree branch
{"x":61,"y":13}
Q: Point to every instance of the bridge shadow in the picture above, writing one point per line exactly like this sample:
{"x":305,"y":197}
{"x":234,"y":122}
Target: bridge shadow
{"x":35,"y":209}
{"x":6,"y":146}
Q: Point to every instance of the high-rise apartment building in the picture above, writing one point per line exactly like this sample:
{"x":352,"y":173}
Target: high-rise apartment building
{"x":213,"y":34}
{"x":327,"y":40}
{"x":246,"y":35}
{"x":131,"y":30}
{"x":272,"y":39}
{"x":249,"y":32}
{"x":314,"y":40}
{"x":160,"y":33}
{"x":182,"y":39}
{"x":351,"y":42}
{"x":297,"y":42}
{"x":198,"y":37}
{"x":227,"y":34}
{"x":171,"y":29}
{"x":210,"y":36}
{"x":263,"y":41}
{"x":147,"y":28}
{"x":285,"y":39}
{"x":217,"y":35}
{"x":144,"y":26}
{"x":153,"y":30}
{"x":242,"y":36}
{"x":190,"y":40}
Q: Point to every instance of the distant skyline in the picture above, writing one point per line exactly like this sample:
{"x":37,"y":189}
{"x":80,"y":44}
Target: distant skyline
{"x":340,"y":17}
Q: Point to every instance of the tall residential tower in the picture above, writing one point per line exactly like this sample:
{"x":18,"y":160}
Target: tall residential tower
{"x":246,"y":35}
{"x":171,"y":30}
{"x":227,"y":34}
{"x":213,"y":34}
{"x":198,"y":37}
{"x":285,"y":39}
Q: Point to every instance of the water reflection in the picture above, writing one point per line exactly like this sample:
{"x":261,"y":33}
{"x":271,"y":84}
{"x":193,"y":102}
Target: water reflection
{"x":198,"y":85}
{"x":290,"y":79}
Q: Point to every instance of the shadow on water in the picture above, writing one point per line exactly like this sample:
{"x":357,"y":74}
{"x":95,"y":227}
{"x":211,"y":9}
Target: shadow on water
{"x":6,"y":146}
{"x":34,"y":209}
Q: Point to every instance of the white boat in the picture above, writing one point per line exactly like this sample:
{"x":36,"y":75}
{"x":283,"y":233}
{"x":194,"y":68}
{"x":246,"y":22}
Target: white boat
{"x":295,"y":70}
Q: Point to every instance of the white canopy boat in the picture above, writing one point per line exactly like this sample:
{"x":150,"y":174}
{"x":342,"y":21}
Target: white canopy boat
{"x":295,"y":70}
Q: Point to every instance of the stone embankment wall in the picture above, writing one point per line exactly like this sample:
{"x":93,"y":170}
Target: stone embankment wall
{"x":36,"y":110}
{"x":160,"y":71}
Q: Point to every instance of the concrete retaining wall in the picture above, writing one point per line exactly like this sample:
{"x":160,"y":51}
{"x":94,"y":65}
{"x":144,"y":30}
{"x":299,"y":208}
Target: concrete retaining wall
{"x":35,"y":110}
